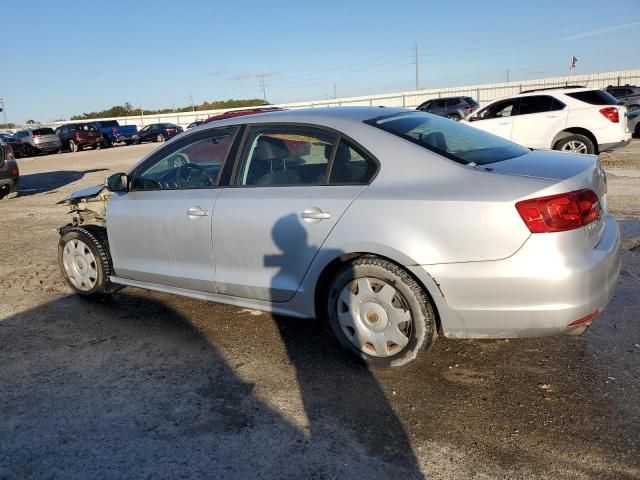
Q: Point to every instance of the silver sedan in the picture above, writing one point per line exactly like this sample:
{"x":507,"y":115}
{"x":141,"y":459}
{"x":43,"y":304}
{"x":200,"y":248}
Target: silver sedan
{"x":392,"y":225}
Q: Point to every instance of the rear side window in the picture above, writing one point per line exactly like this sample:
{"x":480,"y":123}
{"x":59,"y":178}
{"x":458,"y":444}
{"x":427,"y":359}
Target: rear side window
{"x":594,"y":97}
{"x":471,"y":101}
{"x":538,"y":104}
{"x":44,"y":131}
{"x":455,"y":141}
{"x":350,"y":166}
{"x":87,"y":127}
{"x":285,"y":156}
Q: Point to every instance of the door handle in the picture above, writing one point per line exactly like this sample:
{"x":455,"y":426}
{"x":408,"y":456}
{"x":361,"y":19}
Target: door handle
{"x":314,"y":214}
{"x":197,"y":212}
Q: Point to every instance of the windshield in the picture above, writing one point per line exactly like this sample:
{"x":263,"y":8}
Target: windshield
{"x":453,"y":140}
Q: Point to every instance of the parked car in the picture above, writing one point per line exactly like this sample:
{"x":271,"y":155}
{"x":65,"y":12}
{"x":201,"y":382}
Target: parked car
{"x":578,"y":120}
{"x":9,"y":173}
{"x":629,"y":95}
{"x":76,"y":136}
{"x":634,"y":122}
{"x":241,"y":113}
{"x":390,"y":224}
{"x":39,"y":140}
{"x":158,"y":132}
{"x":195,"y":124}
{"x":113,"y":132}
{"x":454,"y":108}
{"x":16,"y":144}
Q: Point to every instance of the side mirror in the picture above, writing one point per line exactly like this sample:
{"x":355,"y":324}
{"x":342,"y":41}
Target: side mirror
{"x":118,"y":182}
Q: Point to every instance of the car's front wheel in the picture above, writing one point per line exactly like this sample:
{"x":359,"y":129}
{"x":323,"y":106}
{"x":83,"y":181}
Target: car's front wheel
{"x":379,"y":312}
{"x":85,"y":262}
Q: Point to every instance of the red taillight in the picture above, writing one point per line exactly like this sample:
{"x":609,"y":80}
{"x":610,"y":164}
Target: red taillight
{"x":114,"y":130}
{"x":558,"y":213}
{"x":611,"y":113}
{"x":18,"y":142}
{"x":468,"y":107}
{"x":586,"y":319}
{"x":14,"y":171}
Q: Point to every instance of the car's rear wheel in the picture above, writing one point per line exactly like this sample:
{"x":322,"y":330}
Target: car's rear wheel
{"x":160,"y":138}
{"x":73,"y":146}
{"x":30,"y":151}
{"x":379,"y":312}
{"x":106,"y":142}
{"x":631,"y":108}
{"x":575,"y":144}
{"x":85,"y":262}
{"x":454,"y":117}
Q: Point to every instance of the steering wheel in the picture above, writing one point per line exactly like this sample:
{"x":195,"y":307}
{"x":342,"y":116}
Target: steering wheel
{"x":188,"y":172}
{"x":179,"y":159}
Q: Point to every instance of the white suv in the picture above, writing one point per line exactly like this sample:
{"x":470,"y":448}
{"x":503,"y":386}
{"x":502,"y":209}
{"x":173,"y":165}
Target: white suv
{"x":576,"y":119}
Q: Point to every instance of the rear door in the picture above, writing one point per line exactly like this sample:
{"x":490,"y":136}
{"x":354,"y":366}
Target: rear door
{"x":160,"y":230}
{"x":538,"y":120}
{"x":279,"y":208}
{"x":496,"y":118}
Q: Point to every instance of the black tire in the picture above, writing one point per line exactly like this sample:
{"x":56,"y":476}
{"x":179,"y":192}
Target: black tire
{"x":106,"y":142}
{"x":422,"y":327}
{"x":576,"y":138}
{"x":160,"y":138}
{"x":95,"y":146}
{"x":96,"y":241}
{"x":454,"y":116}
{"x":128,"y":142}
{"x":632,"y":108}
{"x":29,"y":151}
{"x":73,"y":146}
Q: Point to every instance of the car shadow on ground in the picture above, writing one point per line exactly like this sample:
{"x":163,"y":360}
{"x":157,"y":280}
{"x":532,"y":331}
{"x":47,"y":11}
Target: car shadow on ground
{"x":35,"y":183}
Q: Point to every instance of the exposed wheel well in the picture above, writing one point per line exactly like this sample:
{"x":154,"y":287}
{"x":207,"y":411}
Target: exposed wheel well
{"x":576,"y":131}
{"x":322,"y":285}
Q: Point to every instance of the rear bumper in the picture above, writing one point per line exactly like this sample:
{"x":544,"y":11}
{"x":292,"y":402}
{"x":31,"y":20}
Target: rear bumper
{"x":536,"y":292}
{"x":48,"y":147}
{"x":603,"y":147}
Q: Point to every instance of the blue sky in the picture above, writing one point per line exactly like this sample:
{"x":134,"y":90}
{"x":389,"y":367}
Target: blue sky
{"x":68,"y":57}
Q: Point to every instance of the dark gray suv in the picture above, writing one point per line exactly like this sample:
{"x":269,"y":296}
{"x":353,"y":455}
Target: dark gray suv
{"x":454,"y":108}
{"x":629,"y":95}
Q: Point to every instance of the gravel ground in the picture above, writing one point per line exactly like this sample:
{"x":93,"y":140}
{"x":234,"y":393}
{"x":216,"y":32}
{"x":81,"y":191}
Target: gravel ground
{"x":148,"y":385}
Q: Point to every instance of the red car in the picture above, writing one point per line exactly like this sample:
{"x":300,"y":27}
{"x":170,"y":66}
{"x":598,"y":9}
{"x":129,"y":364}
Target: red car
{"x":240,"y":113}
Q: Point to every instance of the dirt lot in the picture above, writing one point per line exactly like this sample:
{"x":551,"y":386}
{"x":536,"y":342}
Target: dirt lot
{"x":148,"y":385}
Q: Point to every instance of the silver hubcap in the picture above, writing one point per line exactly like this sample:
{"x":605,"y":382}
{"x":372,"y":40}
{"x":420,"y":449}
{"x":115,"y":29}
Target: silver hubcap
{"x":80,"y":265}
{"x":374,"y":316}
{"x":575,"y":146}
{"x":160,"y":138}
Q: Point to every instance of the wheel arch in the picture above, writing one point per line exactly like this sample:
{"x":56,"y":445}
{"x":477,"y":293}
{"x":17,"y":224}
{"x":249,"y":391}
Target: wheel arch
{"x":331,"y":268}
{"x":576,"y":131}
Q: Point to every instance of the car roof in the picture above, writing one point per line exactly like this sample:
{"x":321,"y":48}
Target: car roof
{"x":319,"y":115}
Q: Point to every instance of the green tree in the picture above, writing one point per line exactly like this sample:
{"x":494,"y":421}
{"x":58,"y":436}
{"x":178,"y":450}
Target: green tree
{"x":31,"y":122}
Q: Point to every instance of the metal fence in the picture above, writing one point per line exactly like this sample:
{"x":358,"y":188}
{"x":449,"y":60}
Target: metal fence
{"x":411,"y":99}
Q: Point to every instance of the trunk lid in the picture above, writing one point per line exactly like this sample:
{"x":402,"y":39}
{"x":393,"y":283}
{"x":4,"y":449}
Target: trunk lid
{"x":574,"y":171}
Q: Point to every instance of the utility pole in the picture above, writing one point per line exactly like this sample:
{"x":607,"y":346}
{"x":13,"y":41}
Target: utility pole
{"x":415,"y":60}
{"x":193,"y":108}
{"x":335,"y":94}
{"x":507,"y":75}
{"x":141,"y":115}
{"x":4,"y":110}
{"x":262,"y":85}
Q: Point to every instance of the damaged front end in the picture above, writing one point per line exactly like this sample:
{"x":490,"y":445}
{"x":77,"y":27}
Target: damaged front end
{"x":88,"y":206}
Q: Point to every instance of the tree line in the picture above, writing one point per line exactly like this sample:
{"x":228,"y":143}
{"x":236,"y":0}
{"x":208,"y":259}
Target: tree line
{"x":128,"y":110}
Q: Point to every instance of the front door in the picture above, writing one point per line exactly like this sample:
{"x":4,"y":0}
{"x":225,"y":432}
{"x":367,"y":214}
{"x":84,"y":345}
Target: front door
{"x":271,"y":221}
{"x":496,"y":118}
{"x":160,"y":230}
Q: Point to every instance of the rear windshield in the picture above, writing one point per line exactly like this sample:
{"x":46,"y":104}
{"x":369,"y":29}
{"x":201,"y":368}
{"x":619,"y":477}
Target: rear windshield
{"x":471,"y":101}
{"x":167,"y":125}
{"x":44,"y":131}
{"x":595,"y":97}
{"x":455,"y":141}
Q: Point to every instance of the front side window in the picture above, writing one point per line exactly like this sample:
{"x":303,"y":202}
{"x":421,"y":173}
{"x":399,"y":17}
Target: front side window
{"x":453,"y":140}
{"x":285,"y":156}
{"x":193,"y":163}
{"x":502,"y":109}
